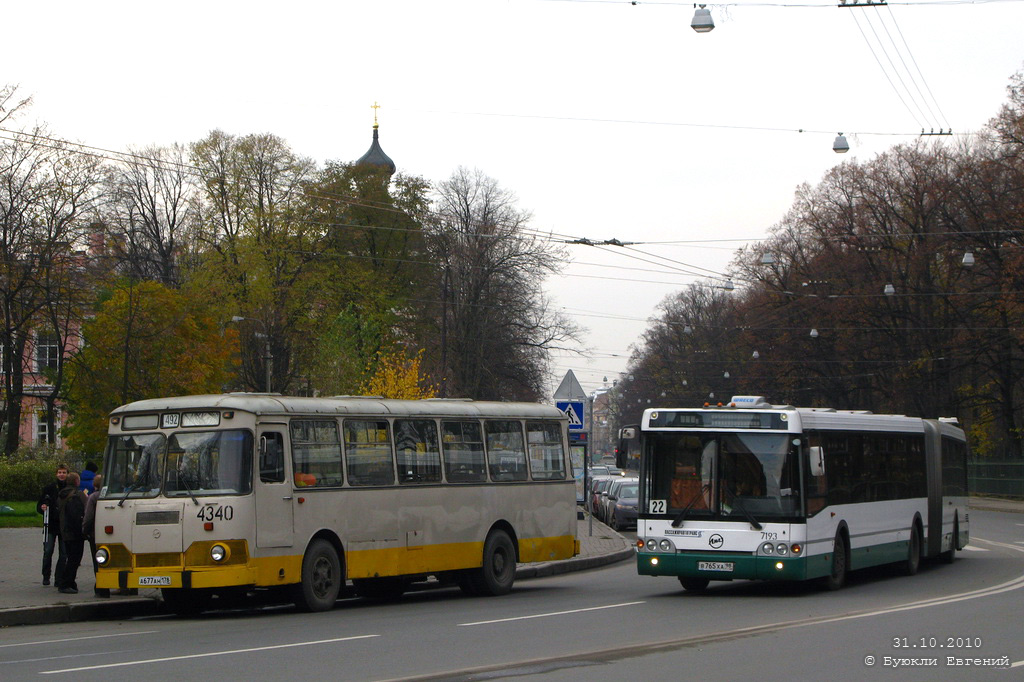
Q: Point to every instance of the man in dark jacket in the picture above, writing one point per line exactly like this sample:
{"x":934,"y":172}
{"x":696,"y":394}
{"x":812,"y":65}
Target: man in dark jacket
{"x":47,"y":506}
{"x":71,"y":501}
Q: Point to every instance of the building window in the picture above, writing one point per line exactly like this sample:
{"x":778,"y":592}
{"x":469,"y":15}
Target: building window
{"x":47,"y":351}
{"x":44,"y":427}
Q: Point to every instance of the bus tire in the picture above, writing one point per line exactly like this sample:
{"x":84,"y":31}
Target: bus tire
{"x":913,"y":561}
{"x":321,"y":578}
{"x":950,"y":554}
{"x":694,"y":584}
{"x":495,"y":577}
{"x":840,"y":564}
{"x":186,"y":602}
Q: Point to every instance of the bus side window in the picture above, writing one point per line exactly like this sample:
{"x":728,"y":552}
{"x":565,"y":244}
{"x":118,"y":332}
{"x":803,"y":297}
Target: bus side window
{"x":272,"y":458}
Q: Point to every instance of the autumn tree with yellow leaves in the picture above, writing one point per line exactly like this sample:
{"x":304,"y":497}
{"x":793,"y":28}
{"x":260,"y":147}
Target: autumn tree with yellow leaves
{"x":396,"y":375}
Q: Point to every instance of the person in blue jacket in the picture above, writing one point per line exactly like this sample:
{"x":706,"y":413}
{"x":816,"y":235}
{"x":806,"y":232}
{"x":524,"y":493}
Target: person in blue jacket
{"x":87,"y":478}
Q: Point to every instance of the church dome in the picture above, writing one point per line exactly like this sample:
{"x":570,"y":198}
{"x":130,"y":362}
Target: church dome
{"x":375,"y":156}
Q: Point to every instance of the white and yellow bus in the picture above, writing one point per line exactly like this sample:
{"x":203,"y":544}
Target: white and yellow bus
{"x":221,"y":494}
{"x":771,"y":492}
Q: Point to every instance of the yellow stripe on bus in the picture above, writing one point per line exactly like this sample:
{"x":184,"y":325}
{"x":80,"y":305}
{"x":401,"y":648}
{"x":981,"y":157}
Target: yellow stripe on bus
{"x":367,"y":563}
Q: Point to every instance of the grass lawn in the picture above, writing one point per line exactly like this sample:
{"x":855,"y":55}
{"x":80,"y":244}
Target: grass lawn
{"x":23,"y":516}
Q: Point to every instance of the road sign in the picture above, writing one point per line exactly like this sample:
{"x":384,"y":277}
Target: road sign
{"x":570,"y":388}
{"x":573,"y":409}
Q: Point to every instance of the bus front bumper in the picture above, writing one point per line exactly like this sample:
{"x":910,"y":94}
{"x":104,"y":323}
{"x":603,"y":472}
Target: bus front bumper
{"x":228,"y":576}
{"x":722,"y":566}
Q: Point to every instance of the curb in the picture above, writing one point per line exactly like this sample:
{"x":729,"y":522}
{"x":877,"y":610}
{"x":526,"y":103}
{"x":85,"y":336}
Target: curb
{"x":149,"y":606}
{"x":542,"y":570}
{"x":66,"y":613}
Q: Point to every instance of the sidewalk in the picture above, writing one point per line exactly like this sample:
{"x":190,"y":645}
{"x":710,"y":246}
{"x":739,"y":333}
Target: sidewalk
{"x":25,"y":601}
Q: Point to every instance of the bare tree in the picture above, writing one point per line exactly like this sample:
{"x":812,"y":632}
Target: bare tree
{"x":493,"y":322}
{"x":153,"y":212}
{"x":46,"y":189}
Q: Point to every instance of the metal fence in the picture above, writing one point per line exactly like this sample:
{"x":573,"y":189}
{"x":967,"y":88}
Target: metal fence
{"x":996,"y":477}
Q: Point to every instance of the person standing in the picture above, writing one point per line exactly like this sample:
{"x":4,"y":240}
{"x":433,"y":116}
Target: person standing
{"x":72,"y":515}
{"x":88,"y":474}
{"x":47,"y":506}
{"x":89,"y":529}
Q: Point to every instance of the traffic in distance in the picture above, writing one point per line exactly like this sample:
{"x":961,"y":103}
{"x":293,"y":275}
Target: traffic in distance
{"x":211,"y":497}
{"x":751,"y":490}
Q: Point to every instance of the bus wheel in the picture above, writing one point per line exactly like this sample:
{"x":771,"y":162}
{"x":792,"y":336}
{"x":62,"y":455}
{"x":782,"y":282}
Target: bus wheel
{"x":694,"y":584}
{"x":185,"y":602}
{"x":840,"y":561}
{"x":950,"y":554}
{"x":380,"y":589}
{"x":913,"y":561}
{"x":498,"y":572}
{"x":321,"y":578}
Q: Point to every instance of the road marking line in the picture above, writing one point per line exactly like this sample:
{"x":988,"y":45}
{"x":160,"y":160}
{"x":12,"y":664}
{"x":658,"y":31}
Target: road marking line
{"x":206,"y":655}
{"x":972,"y":548}
{"x":79,"y":639}
{"x":556,"y":613}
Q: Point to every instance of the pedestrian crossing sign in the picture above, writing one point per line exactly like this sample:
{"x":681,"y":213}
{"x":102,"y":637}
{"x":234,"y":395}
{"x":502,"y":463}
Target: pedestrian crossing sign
{"x":573,"y":409}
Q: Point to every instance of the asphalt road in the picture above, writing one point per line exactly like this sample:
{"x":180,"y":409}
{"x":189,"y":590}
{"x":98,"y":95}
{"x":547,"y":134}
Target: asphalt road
{"x":605,"y":624}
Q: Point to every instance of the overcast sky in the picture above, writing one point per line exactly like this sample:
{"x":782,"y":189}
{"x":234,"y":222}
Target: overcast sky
{"x":608,"y":119}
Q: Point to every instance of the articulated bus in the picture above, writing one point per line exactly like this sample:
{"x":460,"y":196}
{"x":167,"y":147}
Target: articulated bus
{"x":772,"y":492}
{"x":218,"y":495}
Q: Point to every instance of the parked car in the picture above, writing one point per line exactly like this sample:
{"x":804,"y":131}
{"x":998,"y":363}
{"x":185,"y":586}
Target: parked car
{"x":623,"y":504}
{"x":612,"y":493}
{"x":598,"y":484}
{"x":600,"y":507}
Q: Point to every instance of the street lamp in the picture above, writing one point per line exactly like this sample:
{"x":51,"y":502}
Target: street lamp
{"x":840,"y":146}
{"x":968,"y":260}
{"x":268,"y":358}
{"x":889,"y":290}
{"x":702,"y":21}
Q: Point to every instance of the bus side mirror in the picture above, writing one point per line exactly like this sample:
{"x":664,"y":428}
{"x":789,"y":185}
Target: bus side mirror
{"x":628,"y":433}
{"x":816,"y":456}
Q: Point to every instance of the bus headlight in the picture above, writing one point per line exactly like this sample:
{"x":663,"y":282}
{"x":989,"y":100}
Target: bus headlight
{"x":219,"y":553}
{"x":652,"y":545}
{"x":767,"y":548}
{"x":781,"y":549}
{"x":665,"y":546}
{"x":102,"y":556}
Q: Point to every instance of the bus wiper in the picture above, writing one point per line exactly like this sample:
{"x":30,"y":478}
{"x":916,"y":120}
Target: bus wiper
{"x":678,"y":520}
{"x":738,"y":504}
{"x":128,"y":491}
{"x":182,"y":481}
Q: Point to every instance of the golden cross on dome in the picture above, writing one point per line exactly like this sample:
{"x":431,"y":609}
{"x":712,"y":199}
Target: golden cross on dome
{"x":375,"y":107}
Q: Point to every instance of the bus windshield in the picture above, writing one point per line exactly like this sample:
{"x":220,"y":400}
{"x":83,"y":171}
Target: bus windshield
{"x":188,"y":463}
{"x":731,"y":476}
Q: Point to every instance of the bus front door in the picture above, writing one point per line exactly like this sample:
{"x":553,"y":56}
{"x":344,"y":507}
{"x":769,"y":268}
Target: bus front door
{"x":274,"y":512}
